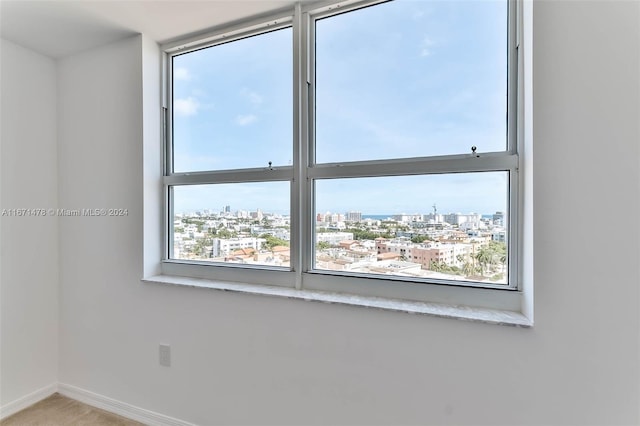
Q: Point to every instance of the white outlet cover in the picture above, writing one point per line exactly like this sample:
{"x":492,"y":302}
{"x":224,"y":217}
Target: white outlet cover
{"x":165,"y":355}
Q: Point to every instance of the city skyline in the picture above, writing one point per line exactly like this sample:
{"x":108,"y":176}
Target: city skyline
{"x":482,"y":192}
{"x":233,"y":211}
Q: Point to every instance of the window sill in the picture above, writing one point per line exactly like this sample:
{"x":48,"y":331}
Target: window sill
{"x":441,"y":310}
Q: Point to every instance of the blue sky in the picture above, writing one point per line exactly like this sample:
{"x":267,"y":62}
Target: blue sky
{"x":400,"y":79}
{"x":233,"y":104}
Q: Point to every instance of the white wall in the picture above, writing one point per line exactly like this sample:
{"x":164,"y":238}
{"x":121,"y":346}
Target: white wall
{"x":29,"y":245}
{"x":102,"y":309}
{"x":239,"y":358}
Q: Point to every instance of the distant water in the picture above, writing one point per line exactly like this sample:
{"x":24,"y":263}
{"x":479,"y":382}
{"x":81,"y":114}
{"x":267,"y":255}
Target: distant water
{"x":376,"y":216}
{"x":387,"y":216}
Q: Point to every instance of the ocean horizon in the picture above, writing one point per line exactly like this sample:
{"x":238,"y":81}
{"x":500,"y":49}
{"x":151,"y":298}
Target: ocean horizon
{"x":388,"y":216}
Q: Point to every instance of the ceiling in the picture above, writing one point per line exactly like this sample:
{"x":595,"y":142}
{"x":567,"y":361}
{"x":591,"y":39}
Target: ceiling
{"x":59,"y":28}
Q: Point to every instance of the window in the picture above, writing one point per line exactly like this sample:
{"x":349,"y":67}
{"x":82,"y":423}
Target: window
{"x":364,"y":146}
{"x":230,"y":152}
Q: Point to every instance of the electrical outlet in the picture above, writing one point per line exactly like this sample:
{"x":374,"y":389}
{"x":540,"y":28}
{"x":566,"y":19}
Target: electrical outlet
{"x":165,"y":355}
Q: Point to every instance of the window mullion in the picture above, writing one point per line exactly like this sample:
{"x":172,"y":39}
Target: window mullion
{"x":299,"y":127}
{"x":434,"y":165}
{"x":513,"y":41}
{"x":169,"y":214}
{"x":513,"y":220}
{"x":230,"y":176}
{"x":306,"y":143}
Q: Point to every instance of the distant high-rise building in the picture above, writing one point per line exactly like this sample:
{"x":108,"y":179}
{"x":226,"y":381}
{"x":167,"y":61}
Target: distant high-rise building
{"x":257,"y":214}
{"x":498,"y":218}
{"x":433,"y":218}
{"x":459,"y":218}
{"x":227,"y":209}
{"x":407,"y":217}
{"x":353,"y":216}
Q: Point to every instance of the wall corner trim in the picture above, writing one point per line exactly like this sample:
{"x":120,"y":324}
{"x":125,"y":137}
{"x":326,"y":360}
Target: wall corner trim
{"x":27,"y":400}
{"x":95,"y":400}
{"x":117,"y":407}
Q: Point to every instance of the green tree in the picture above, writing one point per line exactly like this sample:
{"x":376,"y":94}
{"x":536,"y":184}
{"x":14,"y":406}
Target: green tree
{"x":200,"y":249}
{"x":420,"y":238}
{"x":436,"y":266}
{"x":361,"y":234}
{"x":322,"y":245}
{"x":492,"y":254}
{"x":469,"y":269}
{"x":226,"y":234}
{"x":484,"y":258}
{"x":271,"y":241}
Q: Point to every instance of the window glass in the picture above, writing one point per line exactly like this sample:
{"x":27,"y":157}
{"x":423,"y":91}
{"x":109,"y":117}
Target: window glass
{"x":411,"y":79}
{"x":449,"y":226}
{"x":232,"y":104}
{"x":241,"y":223}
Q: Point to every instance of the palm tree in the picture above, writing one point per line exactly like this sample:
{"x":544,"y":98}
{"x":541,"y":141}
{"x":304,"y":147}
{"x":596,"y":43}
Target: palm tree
{"x":485,"y":258}
{"x":468,"y":269}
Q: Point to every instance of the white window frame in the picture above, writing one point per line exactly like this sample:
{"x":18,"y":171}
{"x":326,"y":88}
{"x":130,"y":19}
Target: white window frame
{"x":273,"y":276}
{"x":301,"y":175}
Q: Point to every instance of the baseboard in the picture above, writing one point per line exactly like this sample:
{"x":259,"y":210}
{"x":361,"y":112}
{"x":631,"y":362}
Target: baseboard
{"x":117,"y":407}
{"x":27,"y":400}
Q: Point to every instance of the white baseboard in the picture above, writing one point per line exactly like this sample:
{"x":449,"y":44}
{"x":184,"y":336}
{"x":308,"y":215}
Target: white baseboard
{"x":27,"y":400}
{"x":117,"y":407}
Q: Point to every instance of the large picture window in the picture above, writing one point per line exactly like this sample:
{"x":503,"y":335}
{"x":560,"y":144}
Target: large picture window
{"x":350,"y":146}
{"x":231,"y":129}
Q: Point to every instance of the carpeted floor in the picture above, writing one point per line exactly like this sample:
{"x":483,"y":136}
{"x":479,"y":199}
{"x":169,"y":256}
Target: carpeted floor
{"x":58,"y":410}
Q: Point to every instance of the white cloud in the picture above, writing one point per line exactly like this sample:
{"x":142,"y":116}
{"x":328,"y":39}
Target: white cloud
{"x":245,"y":120}
{"x":427,"y":43}
{"x":253,"y":97}
{"x":188,"y":106}
{"x":181,"y":74}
